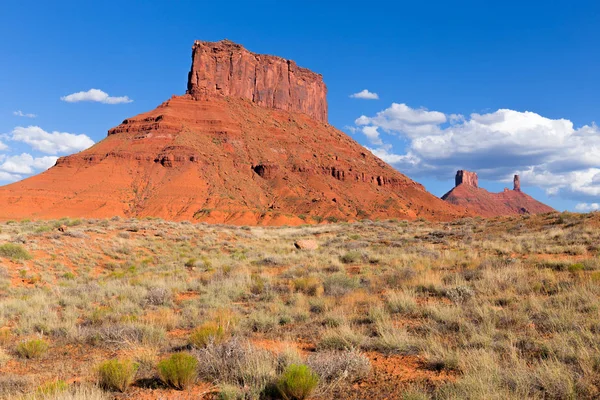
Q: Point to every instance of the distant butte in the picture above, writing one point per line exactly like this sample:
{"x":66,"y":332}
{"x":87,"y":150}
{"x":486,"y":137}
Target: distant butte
{"x":248,"y":144}
{"x":468,"y":194}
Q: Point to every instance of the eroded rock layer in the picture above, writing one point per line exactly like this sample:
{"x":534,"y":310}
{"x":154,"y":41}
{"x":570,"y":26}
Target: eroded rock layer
{"x":228,"y":69}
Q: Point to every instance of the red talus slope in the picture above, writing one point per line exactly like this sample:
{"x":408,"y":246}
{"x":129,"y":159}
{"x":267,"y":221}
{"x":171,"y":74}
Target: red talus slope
{"x":467,"y":194}
{"x":226,"y":159}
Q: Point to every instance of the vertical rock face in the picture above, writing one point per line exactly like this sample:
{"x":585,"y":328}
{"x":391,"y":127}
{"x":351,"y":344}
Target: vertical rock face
{"x":517,"y":183}
{"x":467,"y":178}
{"x":228,"y":69}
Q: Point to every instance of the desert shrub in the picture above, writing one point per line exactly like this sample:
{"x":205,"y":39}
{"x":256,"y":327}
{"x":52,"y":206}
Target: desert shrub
{"x":401,"y":302}
{"x":459,"y":294}
{"x":237,"y":362}
{"x":178,"y":371}
{"x":398,"y":276}
{"x":297,"y":382}
{"x":117,"y":375}
{"x":308,"y":285}
{"x":339,"y":284}
{"x":52,"y":388}
{"x":209,"y":332}
{"x":230,"y":392}
{"x":158,"y":296}
{"x":12,"y":385}
{"x":351,"y":257}
{"x":341,"y":338}
{"x":333,"y":366}
{"x":124,"y":334}
{"x":262,"y":322}
{"x":33,"y":348}
{"x":317,"y":305}
{"x":14,"y":252}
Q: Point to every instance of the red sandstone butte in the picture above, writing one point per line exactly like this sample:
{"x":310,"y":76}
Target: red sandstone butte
{"x":468,"y":194}
{"x":248,"y":144}
{"x":227,"y":69}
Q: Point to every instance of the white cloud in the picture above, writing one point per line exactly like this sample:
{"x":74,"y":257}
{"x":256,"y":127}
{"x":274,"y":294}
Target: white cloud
{"x":51,"y":143}
{"x":372,"y":134}
{"x":586,"y":207}
{"x":8,"y":177}
{"x":96,"y":95}
{"x":20,"y":113}
{"x":25,"y":164}
{"x":401,"y":118}
{"x":365,"y":95}
{"x":549,"y":153}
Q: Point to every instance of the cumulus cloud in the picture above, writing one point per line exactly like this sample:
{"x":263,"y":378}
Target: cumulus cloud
{"x":20,"y":113}
{"x":50,"y":142}
{"x":96,"y":95}
{"x":549,"y":153}
{"x":365,"y":95}
{"x":587,"y":207}
{"x":25,"y":164}
{"x":401,"y":118}
{"x":372,"y":134}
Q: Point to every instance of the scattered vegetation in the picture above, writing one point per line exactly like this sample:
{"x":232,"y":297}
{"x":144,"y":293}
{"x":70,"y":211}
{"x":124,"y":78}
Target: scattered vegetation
{"x":474,"y":308}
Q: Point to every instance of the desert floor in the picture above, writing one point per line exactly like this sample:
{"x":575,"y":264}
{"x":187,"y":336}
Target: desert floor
{"x":502,"y":308}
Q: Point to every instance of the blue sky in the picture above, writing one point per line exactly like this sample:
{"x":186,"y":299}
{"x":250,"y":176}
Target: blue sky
{"x":462,"y":75}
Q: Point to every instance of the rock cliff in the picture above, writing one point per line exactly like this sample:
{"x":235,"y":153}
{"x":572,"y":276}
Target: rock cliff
{"x":228,"y":69}
{"x":467,"y":178}
{"x":467,"y":193}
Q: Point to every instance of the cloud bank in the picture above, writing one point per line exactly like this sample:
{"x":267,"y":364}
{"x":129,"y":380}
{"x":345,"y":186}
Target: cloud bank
{"x":549,"y":153}
{"x":95,"y":95}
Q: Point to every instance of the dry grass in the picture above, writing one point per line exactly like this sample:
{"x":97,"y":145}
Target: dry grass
{"x":502,"y":308}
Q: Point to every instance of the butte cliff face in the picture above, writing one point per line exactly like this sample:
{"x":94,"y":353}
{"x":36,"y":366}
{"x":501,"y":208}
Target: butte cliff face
{"x":227,"y":69}
{"x":247,"y":144}
{"x":468,"y":194}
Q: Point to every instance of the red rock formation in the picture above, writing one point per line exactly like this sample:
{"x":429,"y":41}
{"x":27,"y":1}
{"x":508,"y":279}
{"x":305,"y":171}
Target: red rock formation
{"x":467,"y":194}
{"x":227,"y":159}
{"x":516,"y":183}
{"x":228,"y":69}
{"x":467,"y":178}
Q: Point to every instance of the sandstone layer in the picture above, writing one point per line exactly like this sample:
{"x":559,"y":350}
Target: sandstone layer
{"x":468,"y":194}
{"x":222,"y":154}
{"x":228,"y":69}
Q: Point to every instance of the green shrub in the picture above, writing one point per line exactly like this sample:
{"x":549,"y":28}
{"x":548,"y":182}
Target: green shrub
{"x":14,"y":252}
{"x":117,"y":375}
{"x":576,"y":267}
{"x":32,"y":348}
{"x":297,"y":382}
{"x":178,"y":371}
{"x":209,"y":332}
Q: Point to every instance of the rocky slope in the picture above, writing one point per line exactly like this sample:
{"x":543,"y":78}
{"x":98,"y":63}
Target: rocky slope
{"x":248,"y":144}
{"x":468,"y":194}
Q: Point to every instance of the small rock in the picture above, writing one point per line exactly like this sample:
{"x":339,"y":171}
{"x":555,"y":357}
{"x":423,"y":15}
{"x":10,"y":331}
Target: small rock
{"x":62,"y":228}
{"x":306,"y":244}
